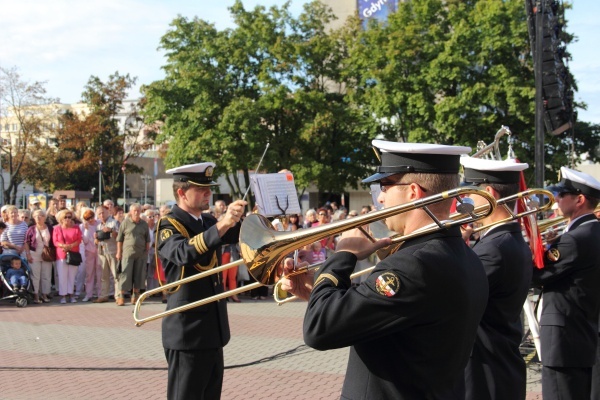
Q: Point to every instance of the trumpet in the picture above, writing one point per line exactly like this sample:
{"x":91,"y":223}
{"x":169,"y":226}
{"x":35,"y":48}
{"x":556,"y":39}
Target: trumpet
{"x":549,"y":225}
{"x":263,"y":248}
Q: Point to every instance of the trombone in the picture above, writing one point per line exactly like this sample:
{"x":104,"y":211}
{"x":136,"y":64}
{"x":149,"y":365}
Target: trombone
{"x":263,"y":248}
{"x":533,"y":206}
{"x":379,"y":230}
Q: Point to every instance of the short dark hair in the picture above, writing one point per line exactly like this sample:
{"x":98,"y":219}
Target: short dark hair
{"x":504,"y":190}
{"x":180,"y":185}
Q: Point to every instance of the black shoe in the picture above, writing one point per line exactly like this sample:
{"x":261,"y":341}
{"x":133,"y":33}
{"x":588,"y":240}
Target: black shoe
{"x":111,"y":297}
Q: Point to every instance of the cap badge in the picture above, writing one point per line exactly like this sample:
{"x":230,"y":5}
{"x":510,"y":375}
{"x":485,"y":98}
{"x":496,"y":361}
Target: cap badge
{"x":209,"y":171}
{"x":553,"y":255}
{"x":387,"y":284}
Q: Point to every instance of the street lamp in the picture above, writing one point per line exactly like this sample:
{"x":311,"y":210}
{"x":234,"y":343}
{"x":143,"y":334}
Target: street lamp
{"x":2,"y":180}
{"x":124,"y":188}
{"x":146,"y":178}
{"x":100,"y":182}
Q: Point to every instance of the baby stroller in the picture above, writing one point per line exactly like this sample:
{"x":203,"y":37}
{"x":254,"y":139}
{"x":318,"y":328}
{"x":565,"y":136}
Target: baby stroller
{"x":20,"y":297}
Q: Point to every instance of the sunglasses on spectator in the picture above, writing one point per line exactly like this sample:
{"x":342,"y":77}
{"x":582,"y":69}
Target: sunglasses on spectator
{"x":89,"y":218}
{"x":68,"y":217}
{"x":322,"y":214}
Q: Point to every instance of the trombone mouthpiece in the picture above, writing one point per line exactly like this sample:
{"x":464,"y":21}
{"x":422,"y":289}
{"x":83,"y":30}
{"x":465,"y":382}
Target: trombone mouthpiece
{"x":466,"y":205}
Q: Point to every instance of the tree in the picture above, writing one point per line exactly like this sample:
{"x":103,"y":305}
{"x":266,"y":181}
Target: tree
{"x":83,"y":140}
{"x":454,"y":73}
{"x":24,"y":107}
{"x":228,"y":93}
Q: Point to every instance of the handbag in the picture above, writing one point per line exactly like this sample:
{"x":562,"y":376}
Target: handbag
{"x":101,"y":235}
{"x":73,"y":258}
{"x":49,"y":254}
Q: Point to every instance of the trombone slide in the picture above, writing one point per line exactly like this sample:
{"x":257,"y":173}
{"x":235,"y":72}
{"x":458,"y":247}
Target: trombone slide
{"x":136,"y":311}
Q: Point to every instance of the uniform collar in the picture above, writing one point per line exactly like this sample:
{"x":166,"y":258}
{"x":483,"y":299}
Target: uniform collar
{"x":494,"y":231}
{"x":443,"y":233}
{"x":580,"y":220}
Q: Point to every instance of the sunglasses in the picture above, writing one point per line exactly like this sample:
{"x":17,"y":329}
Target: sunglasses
{"x":384,"y":186}
{"x":89,"y":218}
{"x":68,"y":217}
{"x":563,"y":194}
{"x":322,"y":214}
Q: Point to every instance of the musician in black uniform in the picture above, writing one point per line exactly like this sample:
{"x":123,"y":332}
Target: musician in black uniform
{"x":411,"y":324}
{"x":187,"y":241}
{"x":570,"y":282}
{"x":496,"y":369}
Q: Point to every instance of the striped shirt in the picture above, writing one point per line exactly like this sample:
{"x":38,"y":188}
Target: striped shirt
{"x":14,"y":234}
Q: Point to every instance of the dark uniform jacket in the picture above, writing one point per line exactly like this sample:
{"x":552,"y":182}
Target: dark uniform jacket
{"x":206,"y":326}
{"x":411,"y":324}
{"x":496,"y":369}
{"x":571,"y":296}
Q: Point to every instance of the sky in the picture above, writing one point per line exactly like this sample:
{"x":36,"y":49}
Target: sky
{"x":65,"y":42}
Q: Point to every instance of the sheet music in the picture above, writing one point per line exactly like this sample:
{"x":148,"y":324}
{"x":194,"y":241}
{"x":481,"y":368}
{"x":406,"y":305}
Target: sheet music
{"x":275,"y":194}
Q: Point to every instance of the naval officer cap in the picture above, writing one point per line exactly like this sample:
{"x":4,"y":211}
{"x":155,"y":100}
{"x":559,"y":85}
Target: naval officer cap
{"x":576,"y":182}
{"x":197,"y":174}
{"x":479,"y":170}
{"x":402,"y":158}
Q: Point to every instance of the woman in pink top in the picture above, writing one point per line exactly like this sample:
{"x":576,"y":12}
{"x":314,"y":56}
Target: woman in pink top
{"x":66,"y":237}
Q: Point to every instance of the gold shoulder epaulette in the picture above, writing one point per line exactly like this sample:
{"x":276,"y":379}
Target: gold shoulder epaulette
{"x":197,"y":241}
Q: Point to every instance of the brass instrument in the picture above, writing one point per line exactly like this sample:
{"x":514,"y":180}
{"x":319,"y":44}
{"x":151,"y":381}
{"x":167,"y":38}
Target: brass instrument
{"x":267,"y":261}
{"x":263,"y":248}
{"x":546,"y":224}
{"x":534,"y":206}
{"x":549,"y":225}
{"x":492,"y":151}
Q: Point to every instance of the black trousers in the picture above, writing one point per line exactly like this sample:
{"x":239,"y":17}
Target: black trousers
{"x":596,"y":375}
{"x":562,"y":383}
{"x":195,"y":374}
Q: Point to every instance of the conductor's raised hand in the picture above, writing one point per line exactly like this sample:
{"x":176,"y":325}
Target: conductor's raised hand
{"x":233,"y":215}
{"x":235,"y":212}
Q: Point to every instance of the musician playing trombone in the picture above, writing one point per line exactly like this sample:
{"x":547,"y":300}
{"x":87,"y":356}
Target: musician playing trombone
{"x":187,"y":241}
{"x":570,"y":282}
{"x":496,"y":369}
{"x":411,"y":324}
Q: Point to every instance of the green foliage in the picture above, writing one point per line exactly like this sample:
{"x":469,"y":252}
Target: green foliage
{"x":449,"y":72}
{"x":228,"y":93}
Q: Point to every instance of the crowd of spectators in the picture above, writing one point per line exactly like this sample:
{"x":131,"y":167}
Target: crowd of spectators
{"x":117,"y":249}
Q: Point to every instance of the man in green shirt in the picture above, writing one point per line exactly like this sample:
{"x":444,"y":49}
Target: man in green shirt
{"x":133,"y":243}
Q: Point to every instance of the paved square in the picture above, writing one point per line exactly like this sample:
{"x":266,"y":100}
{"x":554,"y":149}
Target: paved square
{"x":94,"y":351}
